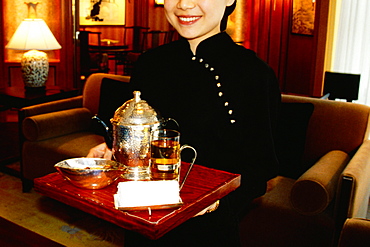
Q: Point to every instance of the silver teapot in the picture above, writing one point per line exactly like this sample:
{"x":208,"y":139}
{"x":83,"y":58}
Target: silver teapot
{"x":133,"y":124}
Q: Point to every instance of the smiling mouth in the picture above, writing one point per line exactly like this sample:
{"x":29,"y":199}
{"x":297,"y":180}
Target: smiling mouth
{"x":188,"y":20}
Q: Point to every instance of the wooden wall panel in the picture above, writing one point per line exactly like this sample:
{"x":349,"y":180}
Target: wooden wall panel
{"x":296,"y":59}
{"x":306,"y":56}
{"x":66,"y":69}
{"x":2,"y":47}
{"x":299,"y":64}
{"x":267,"y":33}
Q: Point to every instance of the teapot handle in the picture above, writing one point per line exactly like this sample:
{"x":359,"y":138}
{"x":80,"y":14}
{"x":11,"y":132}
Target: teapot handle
{"x":108,"y":134}
{"x":166,"y":120}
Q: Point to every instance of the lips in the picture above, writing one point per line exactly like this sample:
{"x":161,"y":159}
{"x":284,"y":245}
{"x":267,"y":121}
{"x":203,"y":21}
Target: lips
{"x":188,"y":20}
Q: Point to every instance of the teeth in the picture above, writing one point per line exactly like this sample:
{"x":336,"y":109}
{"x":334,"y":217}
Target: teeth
{"x":188,"y":19}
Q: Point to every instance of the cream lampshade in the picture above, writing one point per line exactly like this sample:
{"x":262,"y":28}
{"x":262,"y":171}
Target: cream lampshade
{"x":34,"y":35}
{"x":159,"y":2}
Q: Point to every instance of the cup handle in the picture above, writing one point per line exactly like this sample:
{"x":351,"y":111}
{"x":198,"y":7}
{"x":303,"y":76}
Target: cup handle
{"x":191,"y":164}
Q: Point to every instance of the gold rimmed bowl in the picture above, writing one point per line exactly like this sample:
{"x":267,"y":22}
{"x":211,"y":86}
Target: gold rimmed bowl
{"x":90,"y":173}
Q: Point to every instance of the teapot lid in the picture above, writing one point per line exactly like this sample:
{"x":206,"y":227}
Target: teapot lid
{"x":135,"y":112}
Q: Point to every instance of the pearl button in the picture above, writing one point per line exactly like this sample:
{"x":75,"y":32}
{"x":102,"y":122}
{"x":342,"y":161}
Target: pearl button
{"x":232,"y":121}
{"x":206,"y":65}
{"x":230,"y":112}
{"x":218,"y":84}
{"x":201,"y":60}
{"x":193,"y":58}
{"x":226,"y":103}
{"x":217,"y":77}
{"x":220,"y":94}
{"x":211,"y":69}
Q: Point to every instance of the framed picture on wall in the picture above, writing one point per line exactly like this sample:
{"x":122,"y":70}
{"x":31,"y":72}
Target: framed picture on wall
{"x":102,"y":12}
{"x":303,"y":17}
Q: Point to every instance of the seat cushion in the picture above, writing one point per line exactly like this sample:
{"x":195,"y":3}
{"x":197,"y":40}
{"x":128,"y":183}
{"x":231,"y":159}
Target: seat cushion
{"x":39,"y":158}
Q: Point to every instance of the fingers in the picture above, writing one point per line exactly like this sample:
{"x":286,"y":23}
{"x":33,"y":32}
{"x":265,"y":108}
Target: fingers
{"x":92,"y":154}
{"x":100,"y":151}
{"x":107,"y":154}
{"x":209,"y":209}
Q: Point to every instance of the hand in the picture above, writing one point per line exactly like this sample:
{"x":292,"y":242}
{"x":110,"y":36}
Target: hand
{"x":100,"y":151}
{"x":209,"y":209}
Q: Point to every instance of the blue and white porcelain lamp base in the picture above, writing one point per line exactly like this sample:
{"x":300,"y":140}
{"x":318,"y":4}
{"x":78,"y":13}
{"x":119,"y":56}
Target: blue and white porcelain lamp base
{"x":35,"y":69}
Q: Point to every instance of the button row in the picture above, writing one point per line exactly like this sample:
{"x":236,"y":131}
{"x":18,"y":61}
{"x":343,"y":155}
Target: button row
{"x":218,"y":84}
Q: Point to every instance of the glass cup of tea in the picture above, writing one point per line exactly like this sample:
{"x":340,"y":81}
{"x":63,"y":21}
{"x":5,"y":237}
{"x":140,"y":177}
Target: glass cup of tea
{"x":165,"y":155}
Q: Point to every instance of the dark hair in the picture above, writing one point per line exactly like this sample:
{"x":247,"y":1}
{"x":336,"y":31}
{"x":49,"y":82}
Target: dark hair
{"x":228,"y":11}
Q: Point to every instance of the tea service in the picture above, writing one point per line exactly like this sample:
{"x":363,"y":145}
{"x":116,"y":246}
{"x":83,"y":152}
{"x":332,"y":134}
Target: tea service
{"x":143,"y":149}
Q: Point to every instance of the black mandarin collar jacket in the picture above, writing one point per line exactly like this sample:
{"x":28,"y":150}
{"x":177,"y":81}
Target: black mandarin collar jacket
{"x":225,"y":100}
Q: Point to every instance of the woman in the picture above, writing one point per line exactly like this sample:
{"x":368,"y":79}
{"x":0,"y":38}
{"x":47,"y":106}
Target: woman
{"x":226,"y":101}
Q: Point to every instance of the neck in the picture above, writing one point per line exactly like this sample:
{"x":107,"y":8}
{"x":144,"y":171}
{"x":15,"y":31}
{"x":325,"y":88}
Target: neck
{"x":193,"y":45}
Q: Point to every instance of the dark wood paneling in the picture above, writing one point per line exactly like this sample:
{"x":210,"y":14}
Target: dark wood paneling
{"x":66,"y":71}
{"x":268,"y":33}
{"x":2,"y":82}
{"x":322,"y":16}
{"x":296,"y":59}
{"x":299,"y":64}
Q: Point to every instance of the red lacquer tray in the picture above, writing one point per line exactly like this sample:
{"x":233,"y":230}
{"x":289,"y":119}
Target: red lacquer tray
{"x":203,"y":187}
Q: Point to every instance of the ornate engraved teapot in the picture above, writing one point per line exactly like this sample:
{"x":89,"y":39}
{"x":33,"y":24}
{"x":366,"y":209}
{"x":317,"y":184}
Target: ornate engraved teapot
{"x":133,"y":124}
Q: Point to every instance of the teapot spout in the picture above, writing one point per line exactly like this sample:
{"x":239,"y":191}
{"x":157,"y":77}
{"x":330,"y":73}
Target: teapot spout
{"x":107,"y":133}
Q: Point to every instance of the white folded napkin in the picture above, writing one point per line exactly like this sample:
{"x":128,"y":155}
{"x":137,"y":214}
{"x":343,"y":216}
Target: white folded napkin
{"x":147,"y":193}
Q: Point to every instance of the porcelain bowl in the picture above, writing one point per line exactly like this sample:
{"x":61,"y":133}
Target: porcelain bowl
{"x":90,"y":173}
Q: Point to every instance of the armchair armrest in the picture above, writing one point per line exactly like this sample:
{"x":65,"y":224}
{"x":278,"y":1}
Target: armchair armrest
{"x":52,"y":106}
{"x":353,"y":190}
{"x":355,"y":232}
{"x":54,"y":124}
{"x":315,"y":189}
{"x":357,"y":176}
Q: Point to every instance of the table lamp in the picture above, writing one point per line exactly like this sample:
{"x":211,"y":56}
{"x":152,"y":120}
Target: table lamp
{"x":34,"y":35}
{"x":159,"y":2}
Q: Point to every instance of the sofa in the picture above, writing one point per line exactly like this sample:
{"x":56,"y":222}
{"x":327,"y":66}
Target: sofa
{"x":322,"y":146}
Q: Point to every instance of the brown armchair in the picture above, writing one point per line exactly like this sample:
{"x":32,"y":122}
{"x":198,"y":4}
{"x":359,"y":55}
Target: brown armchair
{"x":355,"y":233}
{"x":326,"y":180}
{"x":62,"y":129}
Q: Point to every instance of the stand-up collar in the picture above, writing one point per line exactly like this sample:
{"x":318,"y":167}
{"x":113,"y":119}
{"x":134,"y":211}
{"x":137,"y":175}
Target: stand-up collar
{"x":213,"y":44}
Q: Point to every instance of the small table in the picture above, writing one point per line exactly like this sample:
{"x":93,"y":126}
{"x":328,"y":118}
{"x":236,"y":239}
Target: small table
{"x":203,"y":187}
{"x":18,"y":97}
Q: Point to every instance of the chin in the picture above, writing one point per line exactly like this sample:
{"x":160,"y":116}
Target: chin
{"x":187,"y":34}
